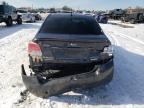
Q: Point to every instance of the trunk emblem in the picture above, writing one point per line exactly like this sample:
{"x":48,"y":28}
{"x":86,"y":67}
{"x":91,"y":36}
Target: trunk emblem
{"x":72,"y":44}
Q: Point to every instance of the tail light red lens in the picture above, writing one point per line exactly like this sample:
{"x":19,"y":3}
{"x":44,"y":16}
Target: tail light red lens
{"x":34,"y":51}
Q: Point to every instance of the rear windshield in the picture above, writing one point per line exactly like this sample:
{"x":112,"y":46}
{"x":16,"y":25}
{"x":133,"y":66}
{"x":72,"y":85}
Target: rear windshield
{"x":69,"y":25}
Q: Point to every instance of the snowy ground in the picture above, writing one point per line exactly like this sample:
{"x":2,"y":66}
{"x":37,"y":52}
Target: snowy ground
{"x":125,"y":91}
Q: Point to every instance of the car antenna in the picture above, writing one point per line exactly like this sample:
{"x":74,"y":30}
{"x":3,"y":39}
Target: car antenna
{"x":71,"y":16}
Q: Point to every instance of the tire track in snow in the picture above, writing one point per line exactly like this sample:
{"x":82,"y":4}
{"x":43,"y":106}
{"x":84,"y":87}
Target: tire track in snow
{"x":129,"y":37}
{"x":113,"y":32}
{"x":128,"y":65}
{"x":112,"y":38}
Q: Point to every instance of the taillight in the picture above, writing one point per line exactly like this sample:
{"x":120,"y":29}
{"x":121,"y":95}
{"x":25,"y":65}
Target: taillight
{"x":109,"y":50}
{"x":35,"y":52}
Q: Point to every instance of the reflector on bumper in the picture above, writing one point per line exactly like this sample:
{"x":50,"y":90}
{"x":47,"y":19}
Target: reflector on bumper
{"x":57,"y":86}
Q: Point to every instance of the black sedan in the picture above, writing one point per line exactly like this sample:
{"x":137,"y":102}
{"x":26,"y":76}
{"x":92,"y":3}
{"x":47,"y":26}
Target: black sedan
{"x":69,"y":51}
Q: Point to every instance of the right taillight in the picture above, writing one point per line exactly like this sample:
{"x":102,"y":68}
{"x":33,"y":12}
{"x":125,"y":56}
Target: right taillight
{"x":35,"y":52}
{"x":108,"y":50}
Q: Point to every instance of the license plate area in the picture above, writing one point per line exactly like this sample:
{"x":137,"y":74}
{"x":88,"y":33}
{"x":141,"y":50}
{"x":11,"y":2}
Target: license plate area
{"x":70,"y":53}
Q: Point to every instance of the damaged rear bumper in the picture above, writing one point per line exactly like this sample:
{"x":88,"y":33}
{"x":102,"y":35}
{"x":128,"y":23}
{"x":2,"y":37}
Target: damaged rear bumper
{"x":98,"y":76}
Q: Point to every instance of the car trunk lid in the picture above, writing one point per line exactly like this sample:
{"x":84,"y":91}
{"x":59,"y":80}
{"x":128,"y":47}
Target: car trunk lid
{"x":71,"y":47}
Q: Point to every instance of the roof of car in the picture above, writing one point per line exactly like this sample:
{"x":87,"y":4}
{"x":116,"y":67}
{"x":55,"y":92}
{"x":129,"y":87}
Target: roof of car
{"x":70,"y":15}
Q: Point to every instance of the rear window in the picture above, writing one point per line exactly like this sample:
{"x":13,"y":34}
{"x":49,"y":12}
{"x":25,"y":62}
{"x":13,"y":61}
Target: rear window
{"x":8,"y":9}
{"x":69,"y":25}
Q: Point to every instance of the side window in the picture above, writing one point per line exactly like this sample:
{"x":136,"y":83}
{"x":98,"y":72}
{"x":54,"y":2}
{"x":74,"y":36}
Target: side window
{"x":14,"y":10}
{"x":6,"y":9}
{"x":9,"y":9}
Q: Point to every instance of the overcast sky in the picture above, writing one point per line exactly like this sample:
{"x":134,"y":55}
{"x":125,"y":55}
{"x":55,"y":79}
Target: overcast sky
{"x":78,"y":4}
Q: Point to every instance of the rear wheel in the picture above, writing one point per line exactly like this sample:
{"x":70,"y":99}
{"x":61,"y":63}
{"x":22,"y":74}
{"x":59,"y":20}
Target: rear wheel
{"x":31,"y":20}
{"x":132,"y":21}
{"x":141,"y":17}
{"x":19,"y":21}
{"x":123,"y":19}
{"x":9,"y":22}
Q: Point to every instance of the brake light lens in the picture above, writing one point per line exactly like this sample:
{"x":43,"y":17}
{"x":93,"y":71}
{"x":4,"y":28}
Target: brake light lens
{"x":109,"y":50}
{"x":35,"y":51}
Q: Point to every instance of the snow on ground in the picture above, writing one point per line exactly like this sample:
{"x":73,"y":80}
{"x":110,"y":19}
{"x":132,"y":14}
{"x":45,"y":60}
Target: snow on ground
{"x":13,"y":43}
{"x":125,"y":91}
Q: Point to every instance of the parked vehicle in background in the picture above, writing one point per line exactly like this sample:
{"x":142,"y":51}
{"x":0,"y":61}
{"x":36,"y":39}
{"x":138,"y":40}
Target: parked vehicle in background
{"x":133,"y":18}
{"x":8,"y":14}
{"x":116,"y":13}
{"x":52,"y":10}
{"x":69,"y":51}
{"x":102,"y":18}
{"x":87,"y":13}
{"x":26,"y":16}
{"x":37,"y":16}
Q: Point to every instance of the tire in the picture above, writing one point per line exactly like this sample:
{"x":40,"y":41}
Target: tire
{"x":31,"y":20}
{"x":9,"y":22}
{"x":19,"y":21}
{"x":132,"y":21}
{"x":140,"y":17}
{"x":105,"y":21}
{"x":123,"y":19}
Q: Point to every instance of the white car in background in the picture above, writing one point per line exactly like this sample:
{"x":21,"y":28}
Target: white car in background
{"x":26,"y":16}
{"x":88,"y":13}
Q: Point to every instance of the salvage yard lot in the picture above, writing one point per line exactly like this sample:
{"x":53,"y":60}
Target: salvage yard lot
{"x":125,"y":91}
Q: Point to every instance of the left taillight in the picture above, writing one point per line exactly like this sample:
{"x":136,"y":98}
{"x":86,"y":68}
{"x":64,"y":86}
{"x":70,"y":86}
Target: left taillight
{"x":35,"y":52}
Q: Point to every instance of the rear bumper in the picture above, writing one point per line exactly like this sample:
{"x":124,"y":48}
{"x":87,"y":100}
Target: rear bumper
{"x":66,"y":64}
{"x":96,"y":77}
